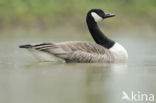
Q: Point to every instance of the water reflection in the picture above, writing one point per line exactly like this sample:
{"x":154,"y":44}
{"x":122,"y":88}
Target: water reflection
{"x":99,"y":81}
{"x":84,"y":81}
{"x":23,"y":80}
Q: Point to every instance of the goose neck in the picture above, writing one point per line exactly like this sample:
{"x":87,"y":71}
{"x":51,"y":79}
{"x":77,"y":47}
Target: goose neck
{"x":99,"y":37}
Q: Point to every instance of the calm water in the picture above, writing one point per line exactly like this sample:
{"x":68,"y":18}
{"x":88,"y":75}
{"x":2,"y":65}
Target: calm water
{"x":25,"y":80}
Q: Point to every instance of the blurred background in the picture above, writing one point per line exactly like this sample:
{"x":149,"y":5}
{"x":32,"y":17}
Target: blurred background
{"x":50,"y":14}
{"x":25,"y":80}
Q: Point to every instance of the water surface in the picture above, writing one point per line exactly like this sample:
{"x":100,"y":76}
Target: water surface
{"x":25,"y":80}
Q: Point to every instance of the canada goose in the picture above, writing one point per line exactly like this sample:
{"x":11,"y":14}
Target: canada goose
{"x":104,"y":50}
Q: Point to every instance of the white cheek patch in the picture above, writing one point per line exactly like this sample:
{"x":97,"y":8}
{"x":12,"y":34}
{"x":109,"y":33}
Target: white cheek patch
{"x":96,"y":17}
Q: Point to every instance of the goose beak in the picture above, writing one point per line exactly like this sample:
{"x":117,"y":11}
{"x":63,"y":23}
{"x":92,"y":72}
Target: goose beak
{"x":107,"y":15}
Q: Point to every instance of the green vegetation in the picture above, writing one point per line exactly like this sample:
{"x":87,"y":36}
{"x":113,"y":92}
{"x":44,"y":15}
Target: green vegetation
{"x":43,"y":13}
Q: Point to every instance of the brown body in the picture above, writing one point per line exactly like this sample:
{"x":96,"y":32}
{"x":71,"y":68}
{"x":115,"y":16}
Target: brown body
{"x":76,"y":51}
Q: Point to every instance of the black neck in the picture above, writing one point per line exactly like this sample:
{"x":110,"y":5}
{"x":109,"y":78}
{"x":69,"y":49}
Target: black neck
{"x":97,"y":34}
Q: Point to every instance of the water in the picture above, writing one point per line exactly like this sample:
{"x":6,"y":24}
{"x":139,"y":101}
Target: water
{"x":25,"y":80}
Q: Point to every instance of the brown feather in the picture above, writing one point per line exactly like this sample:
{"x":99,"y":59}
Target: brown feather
{"x":77,"y":51}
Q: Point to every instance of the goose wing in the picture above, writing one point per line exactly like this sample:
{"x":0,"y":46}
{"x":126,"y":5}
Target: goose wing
{"x":75,"y":51}
{"x":85,"y":52}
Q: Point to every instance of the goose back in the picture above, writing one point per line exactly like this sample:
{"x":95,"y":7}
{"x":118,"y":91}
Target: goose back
{"x":76,"y":51}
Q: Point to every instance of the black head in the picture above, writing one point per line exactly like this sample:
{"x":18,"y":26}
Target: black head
{"x":98,"y":14}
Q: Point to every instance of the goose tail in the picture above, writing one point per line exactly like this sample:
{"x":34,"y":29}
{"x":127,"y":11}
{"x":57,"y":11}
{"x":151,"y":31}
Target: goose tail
{"x":25,"y":46}
{"x":45,"y":51}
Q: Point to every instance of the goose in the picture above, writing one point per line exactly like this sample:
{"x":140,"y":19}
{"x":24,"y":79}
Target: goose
{"x":104,"y":50}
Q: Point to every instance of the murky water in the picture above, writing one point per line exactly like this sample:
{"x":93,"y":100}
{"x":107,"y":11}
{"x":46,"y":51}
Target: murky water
{"x":24,"y":80}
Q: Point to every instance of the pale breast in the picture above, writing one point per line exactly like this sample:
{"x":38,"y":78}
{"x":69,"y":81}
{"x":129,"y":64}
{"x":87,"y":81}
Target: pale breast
{"x":119,"y":52}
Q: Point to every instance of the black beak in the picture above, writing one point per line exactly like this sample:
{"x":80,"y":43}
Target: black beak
{"x":108,"y":15}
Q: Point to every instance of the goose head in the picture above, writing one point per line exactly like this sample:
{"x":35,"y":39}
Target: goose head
{"x":98,"y":15}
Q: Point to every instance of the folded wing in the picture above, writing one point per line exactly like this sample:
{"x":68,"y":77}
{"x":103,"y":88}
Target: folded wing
{"x":76,"y":51}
